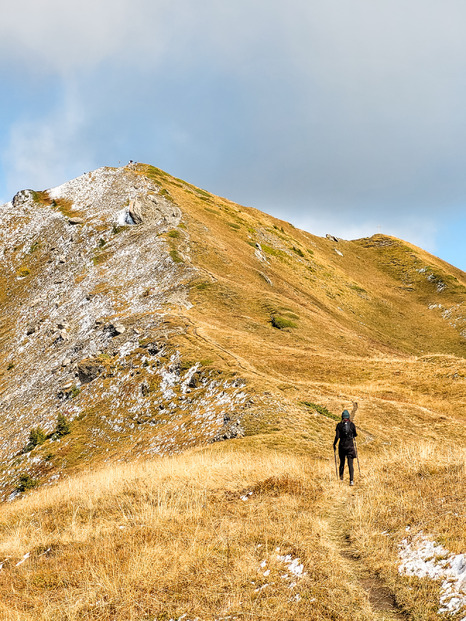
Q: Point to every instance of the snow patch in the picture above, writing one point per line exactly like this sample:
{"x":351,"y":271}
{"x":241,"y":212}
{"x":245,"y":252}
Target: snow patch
{"x":424,"y":558}
{"x":124,"y":217}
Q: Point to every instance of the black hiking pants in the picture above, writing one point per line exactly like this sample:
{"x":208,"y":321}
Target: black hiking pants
{"x":342,"y":455}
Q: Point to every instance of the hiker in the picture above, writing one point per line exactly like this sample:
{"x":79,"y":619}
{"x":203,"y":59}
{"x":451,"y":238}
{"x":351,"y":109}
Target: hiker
{"x":345,"y":432}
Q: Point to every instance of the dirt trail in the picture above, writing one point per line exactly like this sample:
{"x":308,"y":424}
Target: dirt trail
{"x":380,"y":598}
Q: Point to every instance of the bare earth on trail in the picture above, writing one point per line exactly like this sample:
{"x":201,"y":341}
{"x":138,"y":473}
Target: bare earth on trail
{"x":338,"y":521}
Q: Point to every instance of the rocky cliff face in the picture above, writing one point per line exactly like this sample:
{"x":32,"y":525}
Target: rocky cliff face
{"x":88,"y":321}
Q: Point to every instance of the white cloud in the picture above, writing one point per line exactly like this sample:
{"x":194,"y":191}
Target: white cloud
{"x":41,"y":153}
{"x":355,"y":108}
{"x":416,"y":229}
{"x":57,"y":36}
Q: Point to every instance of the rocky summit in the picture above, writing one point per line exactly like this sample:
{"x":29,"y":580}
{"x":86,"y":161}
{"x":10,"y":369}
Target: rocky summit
{"x":142,"y":316}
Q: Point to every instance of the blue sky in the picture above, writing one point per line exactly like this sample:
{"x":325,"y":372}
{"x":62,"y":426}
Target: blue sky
{"x":341,"y":117}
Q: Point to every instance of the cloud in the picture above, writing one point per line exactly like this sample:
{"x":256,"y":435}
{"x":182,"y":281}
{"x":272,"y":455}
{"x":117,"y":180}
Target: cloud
{"x":45,"y":151}
{"x":418,"y":229}
{"x":354,"y":109}
{"x":52,"y":36}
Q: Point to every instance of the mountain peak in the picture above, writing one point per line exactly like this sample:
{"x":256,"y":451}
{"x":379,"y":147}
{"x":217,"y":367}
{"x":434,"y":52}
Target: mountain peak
{"x":156,"y":316}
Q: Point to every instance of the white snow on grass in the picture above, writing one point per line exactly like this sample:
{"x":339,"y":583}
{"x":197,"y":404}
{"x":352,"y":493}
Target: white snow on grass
{"x":293,"y":565}
{"x":424,"y":558}
{"x":294,"y":571}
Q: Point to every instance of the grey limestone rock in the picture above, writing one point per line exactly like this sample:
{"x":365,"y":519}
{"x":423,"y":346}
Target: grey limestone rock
{"x":231,"y":429}
{"x":115,"y":329}
{"x":154,"y":208}
{"x":22,"y":198}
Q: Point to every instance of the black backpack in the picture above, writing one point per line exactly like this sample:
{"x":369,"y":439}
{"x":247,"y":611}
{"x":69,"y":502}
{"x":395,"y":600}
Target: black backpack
{"x":346,"y":431}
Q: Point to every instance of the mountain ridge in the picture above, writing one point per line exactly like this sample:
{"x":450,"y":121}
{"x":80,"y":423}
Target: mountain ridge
{"x":121,"y":262}
{"x":201,"y":353}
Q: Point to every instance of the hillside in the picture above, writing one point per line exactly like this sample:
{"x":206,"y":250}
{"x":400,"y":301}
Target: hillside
{"x":159,"y":319}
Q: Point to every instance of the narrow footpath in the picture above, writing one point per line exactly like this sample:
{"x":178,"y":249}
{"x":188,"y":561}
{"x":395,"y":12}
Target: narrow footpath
{"x":379,"y":597}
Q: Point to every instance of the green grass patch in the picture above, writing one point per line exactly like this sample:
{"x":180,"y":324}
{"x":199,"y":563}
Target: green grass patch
{"x":41,"y":198}
{"x":155,"y":174}
{"x":98,"y":259}
{"x":357,"y":288}
{"x":206,"y":362}
{"x":174,"y":234}
{"x":175,"y":256}
{"x":65,"y":207}
{"x":298,"y":251}
{"x":272,"y":251}
{"x":166,"y":195}
{"x":233,"y":225}
{"x":35,"y":246}
{"x":74,"y":392}
{"x":26,"y":482}
{"x":321,"y":409}
{"x":281,"y":322}
{"x":186,"y":364}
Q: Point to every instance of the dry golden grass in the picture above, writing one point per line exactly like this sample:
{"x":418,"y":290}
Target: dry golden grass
{"x":420,"y":487}
{"x":159,"y":539}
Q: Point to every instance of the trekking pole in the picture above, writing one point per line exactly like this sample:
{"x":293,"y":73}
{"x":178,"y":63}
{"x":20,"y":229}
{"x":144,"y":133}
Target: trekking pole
{"x":357,"y":455}
{"x":335,"y":455}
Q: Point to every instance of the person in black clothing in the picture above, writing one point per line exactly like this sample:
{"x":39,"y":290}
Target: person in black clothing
{"x":345,"y":432}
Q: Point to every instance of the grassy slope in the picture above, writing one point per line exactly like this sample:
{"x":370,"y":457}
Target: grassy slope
{"x":360,"y":333}
{"x":155,"y":540}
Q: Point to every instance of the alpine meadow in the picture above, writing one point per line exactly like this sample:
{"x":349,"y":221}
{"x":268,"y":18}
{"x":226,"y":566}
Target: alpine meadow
{"x":172,"y":369}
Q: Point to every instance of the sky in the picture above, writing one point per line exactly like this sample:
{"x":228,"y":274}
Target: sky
{"x":340,"y":116}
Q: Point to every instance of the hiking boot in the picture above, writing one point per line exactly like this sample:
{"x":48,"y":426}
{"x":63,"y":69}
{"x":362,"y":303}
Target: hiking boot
{"x":341,"y":478}
{"x":351,"y":482}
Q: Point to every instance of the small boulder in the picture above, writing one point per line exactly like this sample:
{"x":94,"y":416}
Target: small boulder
{"x":195,"y":380}
{"x":22,"y":198}
{"x":88,"y":370}
{"x":231,"y":429}
{"x":153,"y":348}
{"x":115,"y":328}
